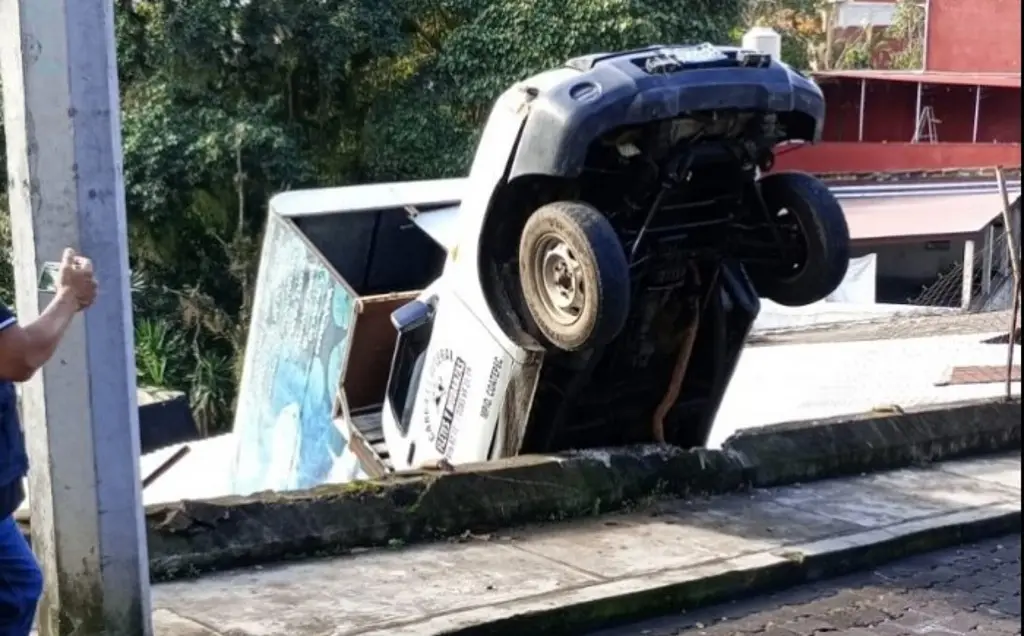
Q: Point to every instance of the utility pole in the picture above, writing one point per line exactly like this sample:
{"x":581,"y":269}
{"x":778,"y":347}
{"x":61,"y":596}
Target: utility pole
{"x":62,"y":117}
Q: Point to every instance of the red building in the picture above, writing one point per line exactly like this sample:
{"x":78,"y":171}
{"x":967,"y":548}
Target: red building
{"x":963,"y":110}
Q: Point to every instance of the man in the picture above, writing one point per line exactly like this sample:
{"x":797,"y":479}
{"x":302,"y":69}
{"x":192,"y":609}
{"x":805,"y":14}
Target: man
{"x":23,"y":350}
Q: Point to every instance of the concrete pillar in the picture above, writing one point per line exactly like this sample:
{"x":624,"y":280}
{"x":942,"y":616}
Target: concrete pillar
{"x":927,"y":33}
{"x":1011,"y":221}
{"x":987,"y":260}
{"x":863,"y":105}
{"x":62,"y":119}
{"x":1014,"y":234}
{"x":917,"y":113}
{"x":968,"y":282}
{"x":1002,"y":258}
{"x":977,"y":113}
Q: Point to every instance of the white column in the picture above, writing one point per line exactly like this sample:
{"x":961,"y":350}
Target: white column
{"x":1014,"y":236}
{"x":62,"y":120}
{"x":917,"y":113}
{"x":977,"y":112}
{"x":1011,"y":221}
{"x":926,"y":34}
{"x":968,"y":282}
{"x":987,"y":259}
{"x":863,"y":102}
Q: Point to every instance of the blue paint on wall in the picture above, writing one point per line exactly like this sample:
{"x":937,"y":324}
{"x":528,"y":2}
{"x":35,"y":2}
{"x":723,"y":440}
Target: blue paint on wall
{"x":294,"y":357}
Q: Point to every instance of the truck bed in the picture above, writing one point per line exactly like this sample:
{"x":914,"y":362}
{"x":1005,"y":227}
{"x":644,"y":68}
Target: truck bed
{"x":366,"y":436}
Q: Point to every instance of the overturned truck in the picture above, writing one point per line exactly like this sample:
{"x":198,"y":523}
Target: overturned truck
{"x":591,"y":283}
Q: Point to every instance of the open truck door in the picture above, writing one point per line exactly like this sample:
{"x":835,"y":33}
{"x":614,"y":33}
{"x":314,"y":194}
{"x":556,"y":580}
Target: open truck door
{"x":335,"y":264}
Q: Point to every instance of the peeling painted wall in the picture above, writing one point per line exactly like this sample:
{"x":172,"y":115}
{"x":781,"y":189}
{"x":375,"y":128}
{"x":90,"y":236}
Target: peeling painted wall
{"x":298,"y":342}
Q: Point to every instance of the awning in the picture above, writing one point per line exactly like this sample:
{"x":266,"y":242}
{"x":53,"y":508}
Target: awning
{"x":992,"y":80}
{"x":920,"y":218}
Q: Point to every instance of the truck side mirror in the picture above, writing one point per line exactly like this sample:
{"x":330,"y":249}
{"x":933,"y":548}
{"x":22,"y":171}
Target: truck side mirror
{"x":411,"y":316}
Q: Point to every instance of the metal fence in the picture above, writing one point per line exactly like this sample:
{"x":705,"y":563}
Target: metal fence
{"x":981,"y":285}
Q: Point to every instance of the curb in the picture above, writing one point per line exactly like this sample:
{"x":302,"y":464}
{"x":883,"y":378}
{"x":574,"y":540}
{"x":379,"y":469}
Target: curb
{"x":885,"y":439}
{"x":742,"y":577}
{"x":190,"y":537}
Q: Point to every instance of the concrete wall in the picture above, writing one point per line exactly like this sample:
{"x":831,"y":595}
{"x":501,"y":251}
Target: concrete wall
{"x":905,"y":269}
{"x":857,"y":13}
{"x":914,"y":261}
{"x":889,"y":157}
{"x":974,"y":36}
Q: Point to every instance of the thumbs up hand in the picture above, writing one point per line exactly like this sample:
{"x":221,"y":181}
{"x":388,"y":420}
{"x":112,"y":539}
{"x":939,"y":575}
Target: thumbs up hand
{"x":76,"y":278}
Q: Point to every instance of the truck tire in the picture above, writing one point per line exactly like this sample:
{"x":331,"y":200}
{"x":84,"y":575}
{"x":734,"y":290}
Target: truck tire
{"x":574,"y":275}
{"x":813,"y":220}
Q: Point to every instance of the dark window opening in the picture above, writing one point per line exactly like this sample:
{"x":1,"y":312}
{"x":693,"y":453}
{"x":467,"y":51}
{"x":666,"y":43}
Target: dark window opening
{"x":406,"y":372}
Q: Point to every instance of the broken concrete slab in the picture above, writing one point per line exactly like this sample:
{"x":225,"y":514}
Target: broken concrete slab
{"x":666,"y":556}
{"x":165,"y":418}
{"x":191,"y":537}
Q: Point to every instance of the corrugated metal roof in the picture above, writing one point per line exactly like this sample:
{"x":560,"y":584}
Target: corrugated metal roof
{"x":920,"y":217}
{"x":997,"y":80}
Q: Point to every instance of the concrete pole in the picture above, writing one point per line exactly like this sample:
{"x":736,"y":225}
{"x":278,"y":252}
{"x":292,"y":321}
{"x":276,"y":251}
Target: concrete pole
{"x":62,"y":118}
{"x":1011,"y":221}
{"x":863,"y":104}
{"x":925,"y":36}
{"x":917,"y":113}
{"x":977,"y":113}
{"x":987,"y":260}
{"x":968,"y":283}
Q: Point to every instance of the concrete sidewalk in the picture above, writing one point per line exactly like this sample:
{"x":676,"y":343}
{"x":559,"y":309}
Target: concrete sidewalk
{"x":563,"y":577}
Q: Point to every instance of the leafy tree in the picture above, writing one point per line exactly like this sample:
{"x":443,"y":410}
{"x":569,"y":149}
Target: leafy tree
{"x":908,"y":28}
{"x":809,"y":27}
{"x":464,"y":53}
{"x":798,"y":22}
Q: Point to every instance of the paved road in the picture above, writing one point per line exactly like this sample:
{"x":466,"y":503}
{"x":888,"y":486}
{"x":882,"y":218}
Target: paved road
{"x":890,"y":328}
{"x":972,"y":590}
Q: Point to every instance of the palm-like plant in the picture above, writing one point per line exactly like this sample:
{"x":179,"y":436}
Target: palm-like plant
{"x":212,"y":391}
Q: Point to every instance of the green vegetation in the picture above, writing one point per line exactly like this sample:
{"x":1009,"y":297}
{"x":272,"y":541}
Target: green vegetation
{"x":228,"y":101}
{"x":810,"y":39}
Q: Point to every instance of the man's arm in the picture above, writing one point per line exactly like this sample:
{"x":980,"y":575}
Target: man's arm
{"x":24,"y":350}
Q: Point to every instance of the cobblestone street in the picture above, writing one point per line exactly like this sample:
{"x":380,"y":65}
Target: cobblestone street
{"x":971,"y":590}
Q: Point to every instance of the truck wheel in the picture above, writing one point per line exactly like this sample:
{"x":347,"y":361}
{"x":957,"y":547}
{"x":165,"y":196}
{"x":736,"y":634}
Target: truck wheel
{"x":813,"y":228}
{"x":574,"y":275}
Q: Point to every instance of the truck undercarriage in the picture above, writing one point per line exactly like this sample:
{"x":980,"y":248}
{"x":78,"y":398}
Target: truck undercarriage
{"x":684,"y":199}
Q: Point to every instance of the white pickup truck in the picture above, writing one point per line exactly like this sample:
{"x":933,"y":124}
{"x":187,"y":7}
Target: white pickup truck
{"x":591,"y":283}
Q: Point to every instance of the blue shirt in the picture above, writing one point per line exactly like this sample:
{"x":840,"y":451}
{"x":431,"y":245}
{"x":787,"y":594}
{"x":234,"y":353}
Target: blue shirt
{"x":13,"y":458}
